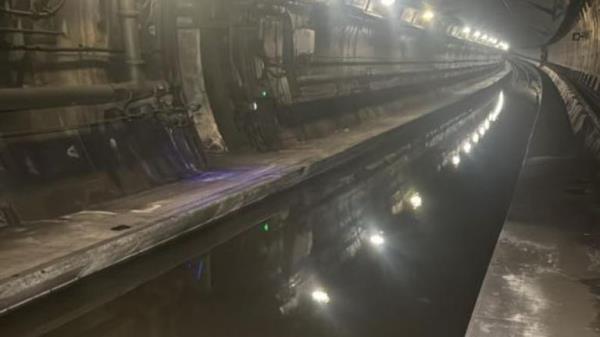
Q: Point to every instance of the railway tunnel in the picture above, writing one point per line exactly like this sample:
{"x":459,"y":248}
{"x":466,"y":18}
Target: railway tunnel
{"x":299,"y":168}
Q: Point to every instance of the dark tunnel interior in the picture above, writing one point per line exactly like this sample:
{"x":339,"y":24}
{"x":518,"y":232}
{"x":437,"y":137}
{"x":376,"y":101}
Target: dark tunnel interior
{"x":174,"y":168}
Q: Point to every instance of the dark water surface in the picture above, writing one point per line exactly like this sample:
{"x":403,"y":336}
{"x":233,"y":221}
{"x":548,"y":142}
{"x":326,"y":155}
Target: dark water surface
{"x":342,"y":255}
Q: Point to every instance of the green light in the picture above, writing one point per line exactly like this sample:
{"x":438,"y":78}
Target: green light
{"x":265,"y":227}
{"x":264,"y":93}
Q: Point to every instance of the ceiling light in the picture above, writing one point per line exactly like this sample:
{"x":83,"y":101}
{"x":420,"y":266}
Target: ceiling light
{"x":499,"y":105}
{"x":377,"y":239}
{"x":481,"y":131}
{"x":416,"y":201}
{"x":428,"y":15}
{"x":456,"y":160}
{"x":320,"y":296}
{"x":467,"y":147}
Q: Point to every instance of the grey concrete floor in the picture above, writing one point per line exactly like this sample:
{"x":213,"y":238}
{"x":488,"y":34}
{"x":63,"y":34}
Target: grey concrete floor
{"x":544,"y":275}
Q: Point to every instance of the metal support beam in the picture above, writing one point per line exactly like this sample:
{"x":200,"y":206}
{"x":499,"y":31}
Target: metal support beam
{"x":11,"y":30}
{"x":52,"y":97}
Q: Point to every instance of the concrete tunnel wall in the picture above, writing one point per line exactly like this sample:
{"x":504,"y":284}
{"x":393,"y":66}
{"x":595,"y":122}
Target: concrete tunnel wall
{"x":574,"y":66}
{"x":223,"y":75}
{"x":577,"y":50}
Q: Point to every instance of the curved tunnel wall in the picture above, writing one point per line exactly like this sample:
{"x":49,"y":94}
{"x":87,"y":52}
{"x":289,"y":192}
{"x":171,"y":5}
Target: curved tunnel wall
{"x":57,"y":160}
{"x":574,"y":66}
{"x":134,"y":109}
{"x":273,"y":72}
{"x":577,"y":50}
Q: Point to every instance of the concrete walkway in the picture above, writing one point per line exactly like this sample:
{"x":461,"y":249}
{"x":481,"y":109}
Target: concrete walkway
{"x":544,"y":277}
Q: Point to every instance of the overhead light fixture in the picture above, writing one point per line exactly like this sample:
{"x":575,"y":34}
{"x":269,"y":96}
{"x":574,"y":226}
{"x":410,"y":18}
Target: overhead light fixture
{"x":456,"y":160}
{"x":475,"y":138}
{"x":503,"y":45}
{"x":477,"y":34}
{"x":482,"y":131}
{"x":377,"y":239}
{"x":320,"y":296}
{"x":467,"y":147}
{"x":428,"y":15}
{"x":388,"y":3}
{"x":499,"y":107}
{"x":416,"y":201}
{"x":500,"y":103}
{"x":466,"y":30}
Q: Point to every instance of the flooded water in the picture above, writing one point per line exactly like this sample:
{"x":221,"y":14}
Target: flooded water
{"x":396,"y":245}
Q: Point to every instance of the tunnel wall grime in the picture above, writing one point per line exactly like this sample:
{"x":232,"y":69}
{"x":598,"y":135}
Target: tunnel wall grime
{"x":101,"y":99}
{"x":577,"y":50}
{"x":87,"y":150}
{"x":573,"y":65}
{"x":282,"y":74}
{"x":582,"y":116}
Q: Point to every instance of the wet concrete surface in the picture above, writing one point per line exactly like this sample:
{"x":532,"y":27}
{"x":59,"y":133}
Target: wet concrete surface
{"x":543,"y":277}
{"x":343,"y":254}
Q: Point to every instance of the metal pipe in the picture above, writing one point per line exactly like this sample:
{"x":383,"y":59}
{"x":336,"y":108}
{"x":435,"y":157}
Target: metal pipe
{"x":131,"y":39}
{"x":9,"y":30}
{"x":51,"y":97}
{"x":52,"y":49}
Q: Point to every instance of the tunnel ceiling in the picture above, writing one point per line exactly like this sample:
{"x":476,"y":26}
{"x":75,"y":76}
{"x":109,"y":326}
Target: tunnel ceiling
{"x":524,"y":23}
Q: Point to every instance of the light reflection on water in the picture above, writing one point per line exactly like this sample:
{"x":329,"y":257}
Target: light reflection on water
{"x":359,"y":252}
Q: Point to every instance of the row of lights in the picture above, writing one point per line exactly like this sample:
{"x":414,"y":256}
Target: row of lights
{"x":427,"y":15}
{"x":414,"y":199}
{"x":484,"y":38}
{"x":477,"y":36}
{"x":468,"y":144}
{"x":376,"y":239}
